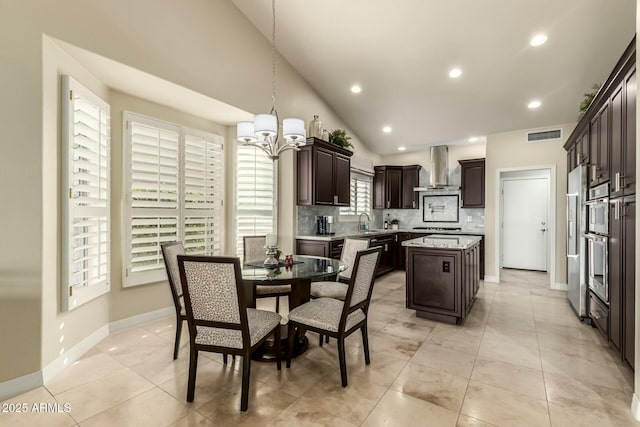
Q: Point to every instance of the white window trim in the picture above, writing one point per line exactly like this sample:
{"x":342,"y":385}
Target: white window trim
{"x":158,"y":275}
{"x":75,"y":296}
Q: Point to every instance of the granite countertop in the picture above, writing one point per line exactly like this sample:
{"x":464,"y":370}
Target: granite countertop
{"x":440,"y":241}
{"x":370,"y":233}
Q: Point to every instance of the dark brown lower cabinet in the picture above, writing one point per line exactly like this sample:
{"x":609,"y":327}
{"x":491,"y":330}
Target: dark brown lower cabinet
{"x":615,"y":275}
{"x":599,"y":314}
{"x":442,"y":283}
{"x":401,"y":251}
{"x":387,"y":261}
{"x":629,"y":289}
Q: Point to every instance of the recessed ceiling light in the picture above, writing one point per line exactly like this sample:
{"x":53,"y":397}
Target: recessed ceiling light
{"x":473,"y":139}
{"x":356,"y":89}
{"x":402,"y":148}
{"x":534,"y":104}
{"x":455,"y":73}
{"x":538,"y":40}
{"x":386,"y":129}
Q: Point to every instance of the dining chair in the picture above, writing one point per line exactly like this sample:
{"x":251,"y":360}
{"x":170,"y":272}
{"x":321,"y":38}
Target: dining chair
{"x":339,"y":319}
{"x":338,"y":288}
{"x":218,"y":318}
{"x":170,"y":252}
{"x":253,"y":246}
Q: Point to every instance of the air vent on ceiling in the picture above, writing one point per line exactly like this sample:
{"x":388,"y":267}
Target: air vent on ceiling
{"x":544,"y":135}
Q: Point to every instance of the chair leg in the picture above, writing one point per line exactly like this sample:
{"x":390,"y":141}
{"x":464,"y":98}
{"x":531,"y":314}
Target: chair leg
{"x":321,"y":340}
{"x":277,"y":304}
{"x":278,"y":339}
{"x":365,"y":344}
{"x":246,"y":372}
{"x":326,"y":339}
{"x":291,"y":338}
{"x":176,"y":346}
{"x":343,"y":362}
{"x":193,"y":367}
{"x":225,"y":359}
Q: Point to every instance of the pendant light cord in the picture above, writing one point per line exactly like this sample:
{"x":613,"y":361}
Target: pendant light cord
{"x":273,"y":56}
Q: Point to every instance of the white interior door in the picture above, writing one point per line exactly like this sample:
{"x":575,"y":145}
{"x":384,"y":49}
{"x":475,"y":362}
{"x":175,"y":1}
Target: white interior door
{"x":525,"y":223}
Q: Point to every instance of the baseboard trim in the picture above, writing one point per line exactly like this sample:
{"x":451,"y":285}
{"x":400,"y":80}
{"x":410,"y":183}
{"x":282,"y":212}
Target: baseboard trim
{"x":74,"y":353}
{"x":20,"y":385}
{"x":559,"y":286}
{"x":635,"y":407}
{"x":140,"y":319}
{"x":28,"y":382}
{"x":491,"y":279}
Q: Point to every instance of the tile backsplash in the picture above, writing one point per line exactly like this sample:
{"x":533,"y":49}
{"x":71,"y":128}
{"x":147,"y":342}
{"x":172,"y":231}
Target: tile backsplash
{"x":307,"y":224}
{"x":410,"y":218}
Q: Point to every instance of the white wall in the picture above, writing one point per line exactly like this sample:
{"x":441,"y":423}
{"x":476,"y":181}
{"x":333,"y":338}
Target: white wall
{"x":210,"y":48}
{"x":510,"y":150}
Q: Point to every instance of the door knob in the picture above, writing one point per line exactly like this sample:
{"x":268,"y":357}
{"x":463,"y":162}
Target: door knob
{"x":543,"y":229}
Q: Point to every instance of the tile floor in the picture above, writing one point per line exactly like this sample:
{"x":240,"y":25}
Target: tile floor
{"x":520,"y":359}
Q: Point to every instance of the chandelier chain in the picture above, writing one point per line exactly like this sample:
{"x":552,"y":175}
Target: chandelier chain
{"x":273,"y":56}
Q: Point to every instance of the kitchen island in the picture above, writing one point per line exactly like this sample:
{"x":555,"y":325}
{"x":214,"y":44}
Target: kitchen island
{"x":443,"y":276}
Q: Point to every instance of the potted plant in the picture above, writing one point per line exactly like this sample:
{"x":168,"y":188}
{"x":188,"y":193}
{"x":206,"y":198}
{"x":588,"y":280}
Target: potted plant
{"x":588,"y":99}
{"x":340,"y":138}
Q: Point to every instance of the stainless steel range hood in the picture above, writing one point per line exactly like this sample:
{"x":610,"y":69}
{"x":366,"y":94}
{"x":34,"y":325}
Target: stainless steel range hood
{"x":438,"y":174}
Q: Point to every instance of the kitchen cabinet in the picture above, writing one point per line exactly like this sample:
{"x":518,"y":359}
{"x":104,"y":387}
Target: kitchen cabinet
{"x":473,"y":183}
{"x":599,"y":314}
{"x":583,"y":148}
{"x":571,"y":159}
{"x":623,"y":137}
{"x":600,"y":128}
{"x":327,"y":249}
{"x":442,"y":283}
{"x":622,"y":276}
{"x":393,"y":187}
{"x":410,"y":179}
{"x":401,"y":252}
{"x":387,"y":259}
{"x":324,"y":174}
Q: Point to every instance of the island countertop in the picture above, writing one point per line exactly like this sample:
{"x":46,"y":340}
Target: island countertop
{"x":439,"y":241}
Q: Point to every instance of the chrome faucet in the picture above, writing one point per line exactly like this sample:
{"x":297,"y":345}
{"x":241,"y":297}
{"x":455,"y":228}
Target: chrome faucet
{"x":365,"y":226}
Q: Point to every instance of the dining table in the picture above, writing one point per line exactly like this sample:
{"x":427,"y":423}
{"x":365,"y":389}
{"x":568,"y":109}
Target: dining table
{"x":304,"y":270}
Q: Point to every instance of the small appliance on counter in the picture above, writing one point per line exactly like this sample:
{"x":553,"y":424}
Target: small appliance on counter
{"x":324,"y":225}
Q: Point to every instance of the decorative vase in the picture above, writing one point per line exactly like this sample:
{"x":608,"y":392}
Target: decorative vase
{"x":325,"y":135}
{"x":315,"y":128}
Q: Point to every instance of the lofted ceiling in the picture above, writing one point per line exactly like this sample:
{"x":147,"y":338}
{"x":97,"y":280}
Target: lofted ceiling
{"x":400,"y":53}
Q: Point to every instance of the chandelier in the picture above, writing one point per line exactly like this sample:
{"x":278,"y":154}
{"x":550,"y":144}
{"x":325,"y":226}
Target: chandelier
{"x":262,"y":133}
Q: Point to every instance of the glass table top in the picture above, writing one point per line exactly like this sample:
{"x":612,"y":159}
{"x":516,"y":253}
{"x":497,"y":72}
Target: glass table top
{"x":310,"y":268}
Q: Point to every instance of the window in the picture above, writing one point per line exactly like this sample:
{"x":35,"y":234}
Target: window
{"x":255,"y":194}
{"x":174,"y":191}
{"x":360,"y":196}
{"x":86,"y":220}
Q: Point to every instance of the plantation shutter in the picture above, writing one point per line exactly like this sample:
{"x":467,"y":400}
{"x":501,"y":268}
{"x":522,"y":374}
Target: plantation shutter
{"x":255,"y":196}
{"x":360,"y":195}
{"x":203,"y":194}
{"x":86,"y":189}
{"x":153,"y":192}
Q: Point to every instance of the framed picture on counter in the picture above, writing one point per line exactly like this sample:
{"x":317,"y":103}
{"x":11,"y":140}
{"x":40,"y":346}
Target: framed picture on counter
{"x":440,"y":208}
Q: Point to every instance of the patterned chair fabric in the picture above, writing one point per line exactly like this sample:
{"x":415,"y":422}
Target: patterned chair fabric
{"x":218,"y":318}
{"x":325,"y":313}
{"x":349,"y":252}
{"x":338,"y":290}
{"x":338,"y":319}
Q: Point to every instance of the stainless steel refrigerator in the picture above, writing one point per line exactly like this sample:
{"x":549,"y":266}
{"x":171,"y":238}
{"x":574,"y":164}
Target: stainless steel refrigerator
{"x":576,"y":243}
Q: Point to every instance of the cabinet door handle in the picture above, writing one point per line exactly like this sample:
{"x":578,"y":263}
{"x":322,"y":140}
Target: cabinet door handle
{"x":388,"y":203}
{"x":396,"y":238}
{"x":335,"y":200}
{"x":414,"y":204}
{"x":386,"y":247}
{"x":617,"y":181}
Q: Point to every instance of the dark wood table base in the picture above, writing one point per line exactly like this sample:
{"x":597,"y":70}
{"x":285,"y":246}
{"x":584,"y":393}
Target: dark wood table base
{"x":267,"y":352}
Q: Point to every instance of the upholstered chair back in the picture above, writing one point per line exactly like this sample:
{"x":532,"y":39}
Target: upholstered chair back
{"x":254,"y":246}
{"x":211,"y":288}
{"x":364,"y":270}
{"x":170,"y":252}
{"x":349,"y":251}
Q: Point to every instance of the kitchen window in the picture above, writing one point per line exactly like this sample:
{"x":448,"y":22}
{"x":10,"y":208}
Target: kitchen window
{"x":174,"y":186}
{"x":360,"y":196}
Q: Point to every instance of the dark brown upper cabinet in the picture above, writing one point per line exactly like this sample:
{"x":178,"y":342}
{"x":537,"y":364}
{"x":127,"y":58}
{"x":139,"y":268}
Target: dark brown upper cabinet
{"x":393,"y":187}
{"x":623,"y":137}
{"x":472,"y":183}
{"x":324,"y":174}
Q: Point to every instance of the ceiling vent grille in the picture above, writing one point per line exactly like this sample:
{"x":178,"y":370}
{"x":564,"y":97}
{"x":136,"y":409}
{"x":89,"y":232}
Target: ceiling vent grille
{"x":544,"y":135}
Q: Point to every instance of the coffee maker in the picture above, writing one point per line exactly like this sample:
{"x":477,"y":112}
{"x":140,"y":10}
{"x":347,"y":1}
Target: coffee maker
{"x":324,"y":224}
